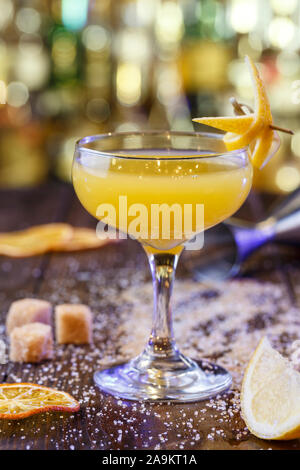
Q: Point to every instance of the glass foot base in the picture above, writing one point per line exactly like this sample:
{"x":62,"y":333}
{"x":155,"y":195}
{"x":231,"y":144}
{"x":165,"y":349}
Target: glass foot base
{"x":178,"y":379}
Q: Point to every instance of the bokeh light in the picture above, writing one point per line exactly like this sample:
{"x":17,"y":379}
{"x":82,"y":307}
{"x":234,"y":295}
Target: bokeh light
{"x":281,"y":32}
{"x":48,"y":103}
{"x":74,"y":13}
{"x":6,"y":13}
{"x":28,"y":20}
{"x":64,"y":50}
{"x":32,"y":64}
{"x":169,"y":26}
{"x":97,"y":110}
{"x":132,"y":45}
{"x":284,"y":7}
{"x":17,"y":94}
{"x":129,"y":84}
{"x":145,"y":11}
{"x":95,"y":38}
{"x":243,"y":15}
{"x":73,"y":66}
{"x":295,"y":144}
{"x":3,"y":92}
{"x":288,"y":63}
{"x":288,"y":178}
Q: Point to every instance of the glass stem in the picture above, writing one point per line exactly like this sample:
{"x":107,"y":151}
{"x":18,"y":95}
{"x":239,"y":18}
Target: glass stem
{"x":161,"y":342}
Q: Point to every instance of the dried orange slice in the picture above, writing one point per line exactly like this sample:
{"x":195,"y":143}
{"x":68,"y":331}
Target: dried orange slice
{"x":82,"y":239}
{"x":49,"y":237}
{"x":20,"y":400}
{"x":35,"y":240}
{"x":270,"y":398}
{"x":251,"y":130}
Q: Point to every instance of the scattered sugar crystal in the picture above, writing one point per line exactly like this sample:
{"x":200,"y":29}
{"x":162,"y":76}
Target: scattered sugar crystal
{"x":31,"y":343}
{"x":73,"y":323}
{"x":3,"y":358}
{"x":26,"y":311}
{"x":224,"y":328}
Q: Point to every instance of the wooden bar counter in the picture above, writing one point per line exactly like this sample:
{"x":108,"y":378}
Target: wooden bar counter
{"x":217,"y":321}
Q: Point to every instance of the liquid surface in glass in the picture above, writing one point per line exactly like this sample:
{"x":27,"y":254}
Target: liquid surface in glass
{"x":220,"y":183}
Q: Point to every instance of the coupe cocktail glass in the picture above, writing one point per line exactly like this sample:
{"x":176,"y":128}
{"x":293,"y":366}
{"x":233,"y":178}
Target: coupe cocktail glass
{"x":155,"y":168}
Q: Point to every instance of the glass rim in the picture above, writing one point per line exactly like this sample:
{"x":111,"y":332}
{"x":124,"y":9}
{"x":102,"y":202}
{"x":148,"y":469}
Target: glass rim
{"x":80,"y":145}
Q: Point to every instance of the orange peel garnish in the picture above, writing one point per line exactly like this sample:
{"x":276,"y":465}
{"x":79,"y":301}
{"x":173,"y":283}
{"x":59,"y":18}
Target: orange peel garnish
{"x":253,"y":129}
{"x":20,"y":400}
{"x":235,"y":124}
{"x":262,"y":112}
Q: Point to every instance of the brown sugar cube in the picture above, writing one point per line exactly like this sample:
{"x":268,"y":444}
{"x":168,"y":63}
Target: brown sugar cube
{"x":26,"y":311}
{"x":73,"y":324}
{"x":31,"y":343}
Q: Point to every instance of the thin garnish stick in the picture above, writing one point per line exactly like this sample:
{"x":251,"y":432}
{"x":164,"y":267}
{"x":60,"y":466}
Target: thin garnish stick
{"x":238,"y":108}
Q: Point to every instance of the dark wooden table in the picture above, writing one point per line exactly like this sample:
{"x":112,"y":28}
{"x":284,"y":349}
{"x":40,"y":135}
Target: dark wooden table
{"x":97,"y":278}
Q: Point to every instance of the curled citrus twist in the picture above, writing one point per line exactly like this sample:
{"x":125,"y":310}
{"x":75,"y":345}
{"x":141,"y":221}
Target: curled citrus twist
{"x":252,"y":130}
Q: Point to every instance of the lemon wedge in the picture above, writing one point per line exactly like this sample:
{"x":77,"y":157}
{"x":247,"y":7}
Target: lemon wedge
{"x":270,"y":397}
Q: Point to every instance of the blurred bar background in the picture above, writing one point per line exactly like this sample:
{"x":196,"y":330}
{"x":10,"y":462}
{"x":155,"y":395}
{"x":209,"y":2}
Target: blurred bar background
{"x":70,"y":68}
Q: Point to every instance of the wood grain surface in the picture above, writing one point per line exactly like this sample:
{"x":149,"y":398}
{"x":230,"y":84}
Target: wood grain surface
{"x":104,"y":422}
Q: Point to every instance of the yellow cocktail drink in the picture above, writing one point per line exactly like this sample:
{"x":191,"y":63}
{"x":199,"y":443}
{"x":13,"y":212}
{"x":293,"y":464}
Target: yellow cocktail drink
{"x":162,"y":188}
{"x":220,"y":185}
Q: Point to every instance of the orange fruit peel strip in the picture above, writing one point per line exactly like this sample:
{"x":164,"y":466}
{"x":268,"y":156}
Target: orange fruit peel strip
{"x":229,"y":124}
{"x":264,"y":148}
{"x":270,"y":397}
{"x":253,"y":129}
{"x":262,"y":112}
{"x":20,"y":400}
